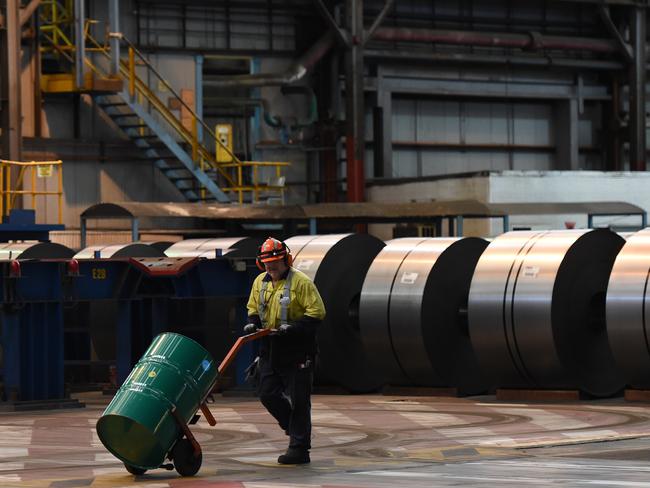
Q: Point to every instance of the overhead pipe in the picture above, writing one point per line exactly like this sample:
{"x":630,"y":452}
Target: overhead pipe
{"x":254,"y":102}
{"x":428,"y":57}
{"x":294,"y":73}
{"x":272,"y":120}
{"x":532,"y":40}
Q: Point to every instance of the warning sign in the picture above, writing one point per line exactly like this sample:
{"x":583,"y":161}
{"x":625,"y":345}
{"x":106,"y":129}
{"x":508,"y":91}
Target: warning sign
{"x":44,"y":170}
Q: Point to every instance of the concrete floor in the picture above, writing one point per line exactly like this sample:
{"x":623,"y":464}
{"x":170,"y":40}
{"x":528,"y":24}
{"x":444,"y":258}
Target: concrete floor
{"x":359,"y":441}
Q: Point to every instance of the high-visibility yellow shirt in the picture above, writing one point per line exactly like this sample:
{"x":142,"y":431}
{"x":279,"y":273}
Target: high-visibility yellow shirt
{"x":305,"y":299}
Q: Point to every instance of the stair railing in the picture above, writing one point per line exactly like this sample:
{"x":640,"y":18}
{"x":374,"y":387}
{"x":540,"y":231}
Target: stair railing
{"x":138,"y":90}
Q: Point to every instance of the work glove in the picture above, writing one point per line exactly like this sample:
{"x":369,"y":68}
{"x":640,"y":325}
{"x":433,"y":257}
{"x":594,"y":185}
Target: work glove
{"x":250,"y":328}
{"x":285,"y":329}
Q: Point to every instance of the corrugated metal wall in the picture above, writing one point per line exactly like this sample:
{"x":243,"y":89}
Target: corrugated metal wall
{"x":435,"y":137}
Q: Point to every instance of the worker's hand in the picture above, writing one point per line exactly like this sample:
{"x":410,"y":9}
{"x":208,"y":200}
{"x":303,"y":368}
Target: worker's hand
{"x":284,"y":329}
{"x":250,"y":328}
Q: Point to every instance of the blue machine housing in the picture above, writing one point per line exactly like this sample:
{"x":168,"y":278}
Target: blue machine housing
{"x":52,"y":311}
{"x":31,"y":318}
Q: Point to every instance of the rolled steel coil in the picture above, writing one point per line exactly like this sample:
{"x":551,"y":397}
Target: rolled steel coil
{"x":338,"y":264}
{"x":133,"y":250}
{"x":413,"y":313}
{"x":537,"y":311}
{"x":374,"y":311}
{"x":210,"y":248}
{"x":628,"y":310}
{"x":37,"y":250}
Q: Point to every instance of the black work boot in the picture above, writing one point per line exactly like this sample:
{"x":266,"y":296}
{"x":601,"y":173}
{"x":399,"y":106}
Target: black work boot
{"x":295,"y":455}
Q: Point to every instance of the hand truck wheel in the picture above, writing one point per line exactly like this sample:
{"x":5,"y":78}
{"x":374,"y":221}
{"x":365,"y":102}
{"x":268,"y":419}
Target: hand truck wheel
{"x":184,"y":458}
{"x":134,"y":471}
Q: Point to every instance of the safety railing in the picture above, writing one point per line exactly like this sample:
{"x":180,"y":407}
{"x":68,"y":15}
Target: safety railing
{"x":231,"y":174}
{"x":39,"y":170}
{"x":256,"y":187}
{"x":201,"y":155}
{"x":57,"y":21}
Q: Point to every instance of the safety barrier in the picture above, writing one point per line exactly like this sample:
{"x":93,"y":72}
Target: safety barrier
{"x":12,"y":184}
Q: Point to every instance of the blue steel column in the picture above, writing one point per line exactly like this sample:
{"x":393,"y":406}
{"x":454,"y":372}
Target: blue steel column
{"x":637,"y":91}
{"x":256,"y":123}
{"x":198,"y":94}
{"x":135,"y":231}
{"x":114,"y":35}
{"x":80,"y":45}
{"x":83,"y":229}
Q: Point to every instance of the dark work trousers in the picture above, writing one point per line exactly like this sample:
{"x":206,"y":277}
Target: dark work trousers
{"x":286,"y":394}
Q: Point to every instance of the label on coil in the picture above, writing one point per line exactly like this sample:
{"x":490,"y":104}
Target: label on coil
{"x":530,"y":271}
{"x":152,"y":374}
{"x":305,"y":264}
{"x":408,"y":278}
{"x":205,"y":364}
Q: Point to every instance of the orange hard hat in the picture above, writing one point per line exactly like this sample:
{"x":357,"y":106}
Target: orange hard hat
{"x":272,"y":250}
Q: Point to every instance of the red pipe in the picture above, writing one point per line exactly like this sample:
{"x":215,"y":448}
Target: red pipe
{"x":355,"y":173}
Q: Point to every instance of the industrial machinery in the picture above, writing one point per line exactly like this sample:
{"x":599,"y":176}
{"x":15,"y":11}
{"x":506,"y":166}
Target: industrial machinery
{"x":147,"y":421}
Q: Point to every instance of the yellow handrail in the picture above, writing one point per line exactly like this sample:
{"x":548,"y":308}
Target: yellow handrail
{"x":8,"y":195}
{"x":137,"y":87}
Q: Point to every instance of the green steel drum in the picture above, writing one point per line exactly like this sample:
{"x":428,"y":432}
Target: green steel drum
{"x":138,"y":426}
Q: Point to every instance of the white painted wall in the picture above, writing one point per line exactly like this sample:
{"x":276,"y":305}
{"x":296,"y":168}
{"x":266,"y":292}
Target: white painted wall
{"x":524,"y":187}
{"x":568,"y":186}
{"x":454,"y":188}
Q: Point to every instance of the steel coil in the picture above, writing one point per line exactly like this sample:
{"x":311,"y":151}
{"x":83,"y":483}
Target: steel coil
{"x":413,"y":313}
{"x":34,"y":250}
{"x":210,"y":248}
{"x":338,"y":264}
{"x":133,"y":250}
{"x":374,"y":309}
{"x":537,"y":310}
{"x":627,"y":310}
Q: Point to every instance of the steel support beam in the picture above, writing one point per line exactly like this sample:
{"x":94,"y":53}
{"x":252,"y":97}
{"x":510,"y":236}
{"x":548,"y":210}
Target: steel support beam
{"x":28,"y":10}
{"x":385,"y":101}
{"x":354,"y":103}
{"x":624,"y":47}
{"x":79,"y":40}
{"x":429,"y":57}
{"x":489,"y":89}
{"x":342,"y":36}
{"x":114,"y":35}
{"x":566,"y":132}
{"x":637,"y":90}
{"x":380,"y":18}
{"x":198,"y":94}
{"x":10,"y":81}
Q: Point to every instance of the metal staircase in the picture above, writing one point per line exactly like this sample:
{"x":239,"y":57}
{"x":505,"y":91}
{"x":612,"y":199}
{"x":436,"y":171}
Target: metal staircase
{"x":160,"y":147}
{"x":173,"y":147}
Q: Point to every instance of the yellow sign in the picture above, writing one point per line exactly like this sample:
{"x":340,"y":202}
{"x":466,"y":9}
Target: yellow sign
{"x":98,"y":273}
{"x":44,"y":170}
{"x":224,"y":140}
